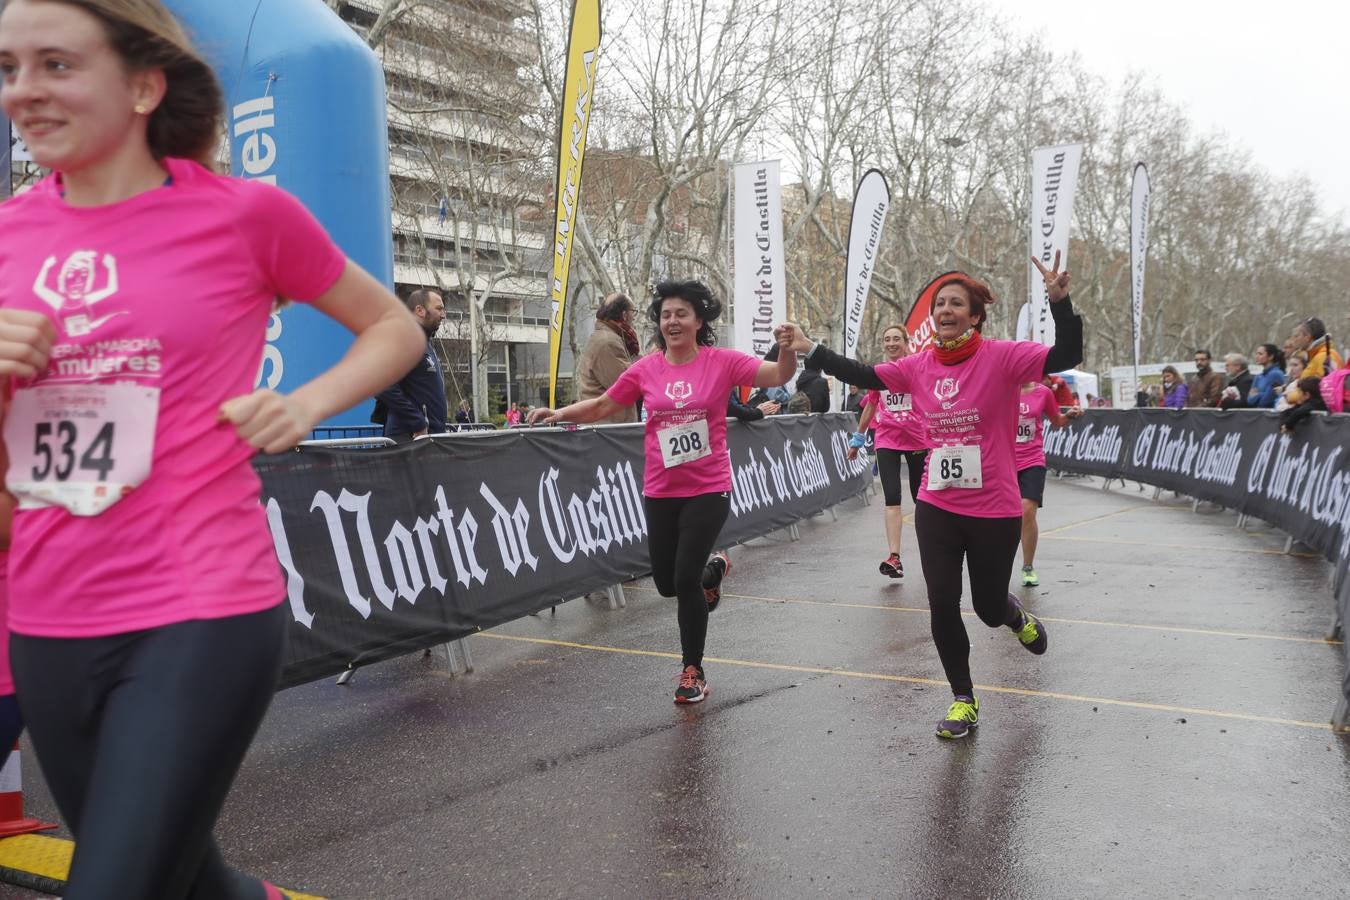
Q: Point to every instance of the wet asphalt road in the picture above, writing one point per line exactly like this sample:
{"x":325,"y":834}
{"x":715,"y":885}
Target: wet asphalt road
{"x":1172,"y":742}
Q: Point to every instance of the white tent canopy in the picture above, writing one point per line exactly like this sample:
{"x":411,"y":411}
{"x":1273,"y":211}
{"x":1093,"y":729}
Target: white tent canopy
{"x":1081,"y":384}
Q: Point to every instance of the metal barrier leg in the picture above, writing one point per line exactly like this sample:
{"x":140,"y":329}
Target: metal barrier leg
{"x":794,"y":533}
{"x":616,"y":591}
{"x":1337,"y":630}
{"x":346,"y":675}
{"x":834,"y":516}
{"x":463,"y":645}
{"x":1157,"y":492}
{"x":1288,"y":543}
{"x":1195,"y":504}
{"x":1242,"y":520}
{"x":1340,"y":719}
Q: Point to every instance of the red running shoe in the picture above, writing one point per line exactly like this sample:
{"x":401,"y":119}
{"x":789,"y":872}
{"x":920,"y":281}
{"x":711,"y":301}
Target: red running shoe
{"x":693,"y":686}
{"x":891,"y":566}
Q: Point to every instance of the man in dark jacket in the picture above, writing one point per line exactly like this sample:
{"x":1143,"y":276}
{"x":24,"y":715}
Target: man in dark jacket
{"x":416,"y":405}
{"x":813,"y":385}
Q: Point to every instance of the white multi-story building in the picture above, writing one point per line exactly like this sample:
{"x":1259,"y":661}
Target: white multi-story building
{"x":471,"y":181}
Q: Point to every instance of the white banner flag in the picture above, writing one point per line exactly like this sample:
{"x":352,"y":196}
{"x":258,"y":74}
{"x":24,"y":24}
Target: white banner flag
{"x":1054,"y":176}
{"x":1138,"y":253}
{"x":757,"y":255}
{"x":870,"y":203}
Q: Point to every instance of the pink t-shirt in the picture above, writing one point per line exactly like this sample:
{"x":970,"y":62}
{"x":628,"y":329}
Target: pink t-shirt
{"x":170,"y":290}
{"x":972,"y":404}
{"x":680,"y":401}
{"x":1033,"y":408}
{"x":895,"y":424}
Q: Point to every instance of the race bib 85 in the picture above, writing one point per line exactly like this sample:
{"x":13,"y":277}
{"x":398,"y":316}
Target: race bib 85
{"x":954,"y":467}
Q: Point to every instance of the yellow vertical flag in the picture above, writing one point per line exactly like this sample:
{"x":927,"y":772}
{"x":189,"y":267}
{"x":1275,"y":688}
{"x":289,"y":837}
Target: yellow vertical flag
{"x":583,"y":57}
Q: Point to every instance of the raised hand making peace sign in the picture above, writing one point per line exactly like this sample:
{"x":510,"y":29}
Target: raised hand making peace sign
{"x":1056,"y":282}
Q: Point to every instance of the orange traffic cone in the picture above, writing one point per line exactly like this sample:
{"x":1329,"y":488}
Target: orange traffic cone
{"x":12,"y":819}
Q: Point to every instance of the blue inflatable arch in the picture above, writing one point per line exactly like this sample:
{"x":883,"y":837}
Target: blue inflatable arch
{"x":305,"y":108}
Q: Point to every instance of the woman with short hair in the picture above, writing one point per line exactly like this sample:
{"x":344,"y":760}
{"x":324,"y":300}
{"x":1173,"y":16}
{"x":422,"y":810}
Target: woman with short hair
{"x":969,"y":512}
{"x":612,"y":347}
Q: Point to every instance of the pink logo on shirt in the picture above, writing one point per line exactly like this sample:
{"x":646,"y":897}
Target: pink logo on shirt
{"x":679,"y":392}
{"x":77,"y":289}
{"x":946,"y":391}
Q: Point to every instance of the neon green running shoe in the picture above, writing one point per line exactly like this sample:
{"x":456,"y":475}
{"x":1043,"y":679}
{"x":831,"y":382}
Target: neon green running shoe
{"x":1032,"y":633}
{"x":962,"y":716}
{"x":1029,"y":578}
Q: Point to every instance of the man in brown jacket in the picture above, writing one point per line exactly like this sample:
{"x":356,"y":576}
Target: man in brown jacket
{"x":1207,"y":385}
{"x":611,"y":349}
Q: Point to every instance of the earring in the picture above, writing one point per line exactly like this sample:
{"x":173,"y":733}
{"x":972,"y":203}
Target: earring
{"x":140,"y":109}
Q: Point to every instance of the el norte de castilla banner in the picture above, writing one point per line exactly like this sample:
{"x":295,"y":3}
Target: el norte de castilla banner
{"x":1054,"y":180}
{"x":760,"y":279}
{"x":866,"y":226}
{"x":388,"y":551}
{"x":1299,"y":483}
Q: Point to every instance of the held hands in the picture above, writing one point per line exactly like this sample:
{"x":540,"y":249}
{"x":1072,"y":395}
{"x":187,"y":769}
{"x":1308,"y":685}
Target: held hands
{"x":1056,"y":282}
{"x":26,"y":340}
{"x":268,"y":421}
{"x":1074,"y":413}
{"x":791,"y":337}
{"x":856,"y":441}
{"x":769,"y":408}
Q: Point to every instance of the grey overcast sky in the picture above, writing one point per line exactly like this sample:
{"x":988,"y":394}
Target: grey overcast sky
{"x":1273,"y":77}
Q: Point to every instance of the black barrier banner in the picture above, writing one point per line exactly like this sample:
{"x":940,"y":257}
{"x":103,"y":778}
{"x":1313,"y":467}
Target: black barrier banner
{"x":386,"y":551}
{"x":1299,"y":483}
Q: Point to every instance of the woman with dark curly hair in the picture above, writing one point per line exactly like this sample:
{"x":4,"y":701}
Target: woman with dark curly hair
{"x":966,"y":390}
{"x":687,"y":478}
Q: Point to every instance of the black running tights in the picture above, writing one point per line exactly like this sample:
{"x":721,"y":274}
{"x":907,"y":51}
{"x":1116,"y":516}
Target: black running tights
{"x":888,"y":465}
{"x":681,"y":532}
{"x":946,"y":540}
{"x":139,"y":736}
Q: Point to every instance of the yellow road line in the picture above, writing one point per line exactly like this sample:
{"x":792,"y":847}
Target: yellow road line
{"x":910,"y":679}
{"x":49,"y":857}
{"x":1188,"y":547}
{"x":1109,"y":515}
{"x":1245,"y":635}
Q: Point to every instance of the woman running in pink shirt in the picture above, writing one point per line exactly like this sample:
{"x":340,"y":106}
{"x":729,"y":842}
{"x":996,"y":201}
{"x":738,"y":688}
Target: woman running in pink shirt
{"x":968,"y":512}
{"x":899,"y":436}
{"x":686,"y":481}
{"x":1036,"y":405}
{"x":146,"y":603}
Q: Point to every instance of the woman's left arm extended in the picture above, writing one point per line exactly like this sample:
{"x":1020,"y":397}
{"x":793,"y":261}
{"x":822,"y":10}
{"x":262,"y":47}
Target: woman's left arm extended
{"x":1067,"y":351}
{"x":388,"y":343}
{"x":849,"y":371}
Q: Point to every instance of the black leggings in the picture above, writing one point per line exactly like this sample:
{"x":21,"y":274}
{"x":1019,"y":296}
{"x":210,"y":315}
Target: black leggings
{"x":681,"y":532}
{"x":139,"y":736}
{"x":11,"y":724}
{"x":888,"y":465}
{"x":945,"y":541}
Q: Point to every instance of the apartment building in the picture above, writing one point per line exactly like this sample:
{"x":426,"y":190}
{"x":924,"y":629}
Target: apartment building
{"x":471,"y":176}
